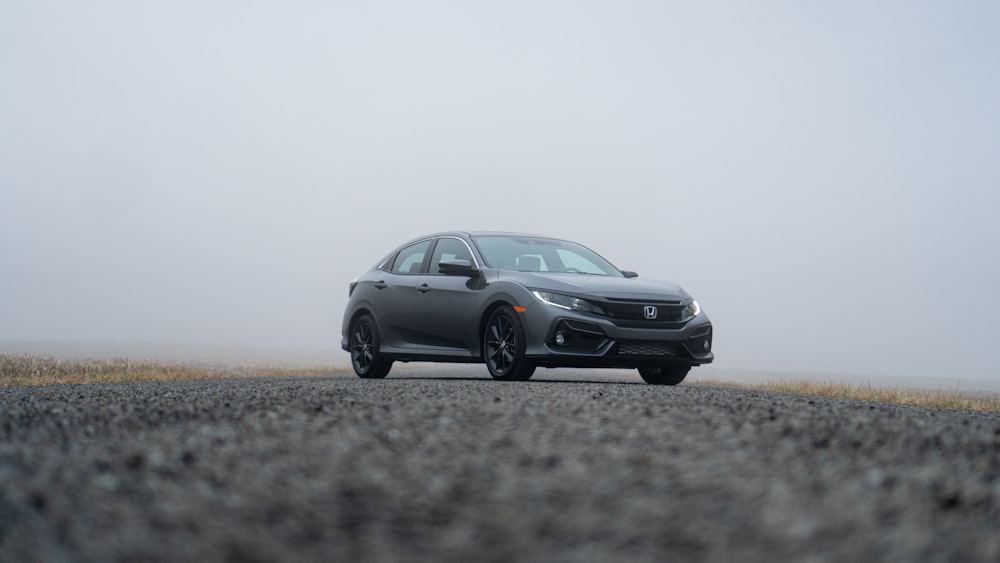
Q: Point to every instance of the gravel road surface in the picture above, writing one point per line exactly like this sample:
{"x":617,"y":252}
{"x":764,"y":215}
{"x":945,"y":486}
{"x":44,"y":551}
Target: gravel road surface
{"x":571,"y":466}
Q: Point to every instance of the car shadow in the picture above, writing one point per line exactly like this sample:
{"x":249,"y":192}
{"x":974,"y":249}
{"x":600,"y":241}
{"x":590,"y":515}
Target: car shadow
{"x":495,"y":381}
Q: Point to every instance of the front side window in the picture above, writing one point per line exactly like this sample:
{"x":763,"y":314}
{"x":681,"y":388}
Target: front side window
{"x":409,"y":260}
{"x":449,"y":249}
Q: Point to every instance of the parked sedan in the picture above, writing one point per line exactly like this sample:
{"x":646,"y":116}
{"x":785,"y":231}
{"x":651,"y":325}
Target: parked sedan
{"x":517,"y":302}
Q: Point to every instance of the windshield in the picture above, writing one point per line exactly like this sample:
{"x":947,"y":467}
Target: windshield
{"x":531,"y":254}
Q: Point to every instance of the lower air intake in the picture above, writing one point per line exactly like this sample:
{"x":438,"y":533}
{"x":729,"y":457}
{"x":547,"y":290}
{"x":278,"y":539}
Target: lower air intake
{"x":646,"y":349}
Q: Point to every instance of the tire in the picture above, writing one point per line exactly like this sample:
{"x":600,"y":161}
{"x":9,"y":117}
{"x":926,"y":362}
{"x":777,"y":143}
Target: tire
{"x":666,"y":375}
{"x":365,"y":357}
{"x":503,"y":347}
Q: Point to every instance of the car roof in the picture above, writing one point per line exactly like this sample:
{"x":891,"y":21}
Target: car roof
{"x":471,"y":234}
{"x":482,"y":233}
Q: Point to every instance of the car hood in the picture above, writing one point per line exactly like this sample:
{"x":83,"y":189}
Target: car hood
{"x":601,"y":286}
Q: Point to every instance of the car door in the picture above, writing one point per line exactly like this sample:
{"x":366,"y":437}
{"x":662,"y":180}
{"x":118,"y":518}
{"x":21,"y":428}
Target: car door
{"x":397,"y":294}
{"x":445,"y":306}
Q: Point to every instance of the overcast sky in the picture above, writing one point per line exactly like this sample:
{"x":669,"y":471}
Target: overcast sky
{"x":823,"y":177}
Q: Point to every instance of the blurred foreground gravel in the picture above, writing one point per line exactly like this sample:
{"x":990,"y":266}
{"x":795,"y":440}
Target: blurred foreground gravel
{"x":571,"y":467}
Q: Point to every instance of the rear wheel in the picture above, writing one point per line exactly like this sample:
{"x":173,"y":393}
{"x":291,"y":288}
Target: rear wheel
{"x":365,"y":357}
{"x":667,"y":375}
{"x":503,"y":347}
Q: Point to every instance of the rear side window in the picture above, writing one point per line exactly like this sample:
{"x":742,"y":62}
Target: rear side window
{"x":409,"y":260}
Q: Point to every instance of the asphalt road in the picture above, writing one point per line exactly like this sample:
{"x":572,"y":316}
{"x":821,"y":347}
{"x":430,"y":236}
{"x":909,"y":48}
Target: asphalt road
{"x":571,"y":466}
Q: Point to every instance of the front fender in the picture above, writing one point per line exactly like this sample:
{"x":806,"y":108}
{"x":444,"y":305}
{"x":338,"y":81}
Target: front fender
{"x":512,"y":294}
{"x":507,"y":292}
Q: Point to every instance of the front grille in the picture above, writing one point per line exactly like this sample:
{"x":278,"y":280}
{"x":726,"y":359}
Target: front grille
{"x":629,"y":310}
{"x":645,"y":348}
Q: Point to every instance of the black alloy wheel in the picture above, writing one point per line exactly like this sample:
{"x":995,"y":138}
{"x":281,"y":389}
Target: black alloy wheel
{"x":503,"y":347}
{"x":667,"y":375}
{"x":365,"y":357}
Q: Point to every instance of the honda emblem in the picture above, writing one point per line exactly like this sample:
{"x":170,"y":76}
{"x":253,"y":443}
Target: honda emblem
{"x":649,"y":312}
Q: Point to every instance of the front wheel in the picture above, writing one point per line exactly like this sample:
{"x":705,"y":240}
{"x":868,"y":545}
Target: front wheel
{"x":669,"y":375}
{"x":365,"y":357}
{"x":503,"y":347}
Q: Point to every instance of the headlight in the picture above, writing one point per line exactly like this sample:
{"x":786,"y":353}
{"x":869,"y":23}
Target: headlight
{"x":567,"y":302}
{"x":690,"y":311}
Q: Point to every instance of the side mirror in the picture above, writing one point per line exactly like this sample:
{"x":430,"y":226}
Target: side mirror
{"x":629,"y":274}
{"x":457,"y":268}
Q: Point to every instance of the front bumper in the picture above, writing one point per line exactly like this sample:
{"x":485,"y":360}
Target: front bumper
{"x":560,"y":338}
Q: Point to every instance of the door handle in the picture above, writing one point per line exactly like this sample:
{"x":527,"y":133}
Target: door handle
{"x":380,"y":284}
{"x":423,"y":288}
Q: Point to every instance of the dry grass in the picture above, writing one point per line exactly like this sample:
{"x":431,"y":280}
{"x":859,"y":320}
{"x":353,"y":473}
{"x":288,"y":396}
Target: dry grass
{"x":984,"y":402}
{"x":34,"y":370}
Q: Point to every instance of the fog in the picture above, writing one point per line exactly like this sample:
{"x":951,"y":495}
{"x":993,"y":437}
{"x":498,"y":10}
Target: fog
{"x":823,"y":178}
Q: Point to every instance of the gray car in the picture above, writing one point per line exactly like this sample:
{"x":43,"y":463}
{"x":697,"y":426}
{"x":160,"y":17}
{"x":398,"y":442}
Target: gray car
{"x":517,"y":302}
